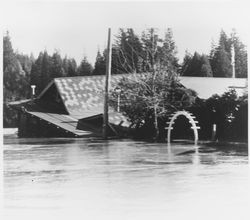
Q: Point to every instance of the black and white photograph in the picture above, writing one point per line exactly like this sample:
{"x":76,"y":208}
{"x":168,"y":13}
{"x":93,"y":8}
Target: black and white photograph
{"x":124,"y":110}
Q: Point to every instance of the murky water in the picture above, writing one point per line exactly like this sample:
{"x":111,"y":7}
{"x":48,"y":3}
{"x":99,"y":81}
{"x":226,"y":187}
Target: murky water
{"x":94,"y":179}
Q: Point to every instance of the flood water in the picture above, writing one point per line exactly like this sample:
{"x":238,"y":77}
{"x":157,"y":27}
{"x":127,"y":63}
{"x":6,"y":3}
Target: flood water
{"x":123,"y":179}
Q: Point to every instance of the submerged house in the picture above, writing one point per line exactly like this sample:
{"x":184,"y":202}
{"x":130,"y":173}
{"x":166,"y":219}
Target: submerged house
{"x":73,"y":106}
{"x":68,"y":107}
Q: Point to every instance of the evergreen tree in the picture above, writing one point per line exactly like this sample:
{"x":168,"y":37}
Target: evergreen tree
{"x":116,"y":63}
{"x":100,"y":64}
{"x":206,"y":70}
{"x":151,"y":57}
{"x":127,"y":50}
{"x":221,"y":64}
{"x":8,"y":54}
{"x":65,"y":65}
{"x":132,"y":49}
{"x":119,"y":54}
{"x":157,"y":52}
{"x":15,"y":83}
{"x":46,"y":70}
{"x":41,"y":71}
{"x":213,"y":49}
{"x":168,"y":51}
{"x":25,"y":62}
{"x":132,"y":54}
{"x":72,"y":67}
{"x":69,"y":67}
{"x":36,"y":73}
{"x":221,"y":57}
{"x":57,"y":66}
{"x":85,"y":68}
{"x":198,"y":65}
{"x":224,"y":41}
{"x":32,"y":58}
{"x":10,"y":64}
{"x":186,"y":62}
{"x":194,"y":66}
{"x":14,"y":79}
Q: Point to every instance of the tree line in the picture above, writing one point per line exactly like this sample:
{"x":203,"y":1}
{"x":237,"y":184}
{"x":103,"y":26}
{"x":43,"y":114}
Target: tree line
{"x":219,"y":62}
{"x":131,"y":53}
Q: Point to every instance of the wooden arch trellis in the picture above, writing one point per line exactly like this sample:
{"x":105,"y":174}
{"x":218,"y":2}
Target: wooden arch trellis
{"x":191,"y":119}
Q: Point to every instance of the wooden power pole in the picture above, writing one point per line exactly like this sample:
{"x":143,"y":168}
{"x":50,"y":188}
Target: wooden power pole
{"x":107,"y":84}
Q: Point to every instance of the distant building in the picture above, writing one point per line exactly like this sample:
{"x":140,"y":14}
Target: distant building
{"x":73,"y":106}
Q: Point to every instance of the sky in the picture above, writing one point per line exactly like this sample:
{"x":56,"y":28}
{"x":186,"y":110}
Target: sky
{"x":78,"y":29}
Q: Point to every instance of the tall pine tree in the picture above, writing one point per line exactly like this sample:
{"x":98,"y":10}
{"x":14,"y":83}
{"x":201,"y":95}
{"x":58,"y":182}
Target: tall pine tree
{"x":15,"y":82}
{"x":85,"y":68}
{"x":41,"y":71}
{"x":100,"y":64}
{"x":206,"y":70}
{"x":168,"y":51}
{"x":221,"y":57}
{"x":198,"y":65}
{"x":46,"y":70}
{"x":127,"y":51}
{"x":151,"y":55}
{"x":57,"y":66}
{"x":70,"y":67}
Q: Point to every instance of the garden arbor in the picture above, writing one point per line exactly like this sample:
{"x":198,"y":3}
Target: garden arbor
{"x":191,"y":119}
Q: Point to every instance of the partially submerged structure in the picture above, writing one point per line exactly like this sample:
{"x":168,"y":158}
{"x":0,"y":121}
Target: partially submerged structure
{"x":73,"y":106}
{"x":68,"y":107}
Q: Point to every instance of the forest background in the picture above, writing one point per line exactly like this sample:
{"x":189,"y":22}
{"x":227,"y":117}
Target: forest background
{"x":130,"y":54}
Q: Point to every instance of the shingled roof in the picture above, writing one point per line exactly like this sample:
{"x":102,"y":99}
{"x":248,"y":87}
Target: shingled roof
{"x":81,"y":94}
{"x":208,"y":86}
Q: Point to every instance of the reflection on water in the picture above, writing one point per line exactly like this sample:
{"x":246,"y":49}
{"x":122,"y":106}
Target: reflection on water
{"x":123,"y":179}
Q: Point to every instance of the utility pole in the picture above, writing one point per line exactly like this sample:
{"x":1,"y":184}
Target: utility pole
{"x":107,"y":84}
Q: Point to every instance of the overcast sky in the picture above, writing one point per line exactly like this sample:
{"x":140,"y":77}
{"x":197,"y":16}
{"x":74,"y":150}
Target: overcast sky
{"x":79,"y":28}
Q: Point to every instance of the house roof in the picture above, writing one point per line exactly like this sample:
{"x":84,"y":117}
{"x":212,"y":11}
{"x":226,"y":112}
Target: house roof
{"x":85,"y":93}
{"x":206,"y":87}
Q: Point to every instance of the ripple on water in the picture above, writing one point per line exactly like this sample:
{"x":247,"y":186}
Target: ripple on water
{"x":123,"y":174}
